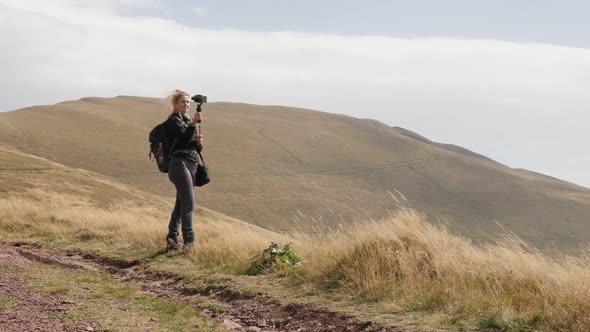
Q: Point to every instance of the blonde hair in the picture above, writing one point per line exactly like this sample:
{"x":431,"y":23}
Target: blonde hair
{"x":174,"y":97}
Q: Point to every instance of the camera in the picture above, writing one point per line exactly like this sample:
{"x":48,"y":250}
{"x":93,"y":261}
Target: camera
{"x":199,"y":99}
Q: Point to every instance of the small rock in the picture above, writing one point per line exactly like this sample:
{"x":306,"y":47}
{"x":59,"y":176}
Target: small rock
{"x":89,"y":328}
{"x":154,"y":319}
{"x":261,"y":322}
{"x":68,"y":302}
{"x":231,"y":324}
{"x":253,"y":329}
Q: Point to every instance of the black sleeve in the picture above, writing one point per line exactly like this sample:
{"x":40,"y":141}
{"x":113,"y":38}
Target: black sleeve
{"x":183,"y":134}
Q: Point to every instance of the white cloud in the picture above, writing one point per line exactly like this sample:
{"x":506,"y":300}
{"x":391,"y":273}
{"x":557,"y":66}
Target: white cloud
{"x":200,"y":11}
{"x":523,"y":104}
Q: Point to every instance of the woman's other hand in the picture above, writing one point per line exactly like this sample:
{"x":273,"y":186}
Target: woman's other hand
{"x":198,"y":139}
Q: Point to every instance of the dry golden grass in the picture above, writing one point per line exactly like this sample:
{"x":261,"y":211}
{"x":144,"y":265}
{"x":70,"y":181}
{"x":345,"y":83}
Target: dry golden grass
{"x":77,"y":208}
{"x":402,"y":263}
{"x":125,"y":229}
{"x":414,"y":265}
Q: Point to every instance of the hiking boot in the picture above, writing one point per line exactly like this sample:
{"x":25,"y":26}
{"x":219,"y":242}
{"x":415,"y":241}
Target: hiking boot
{"x":171,"y":245}
{"x":187,"y":248}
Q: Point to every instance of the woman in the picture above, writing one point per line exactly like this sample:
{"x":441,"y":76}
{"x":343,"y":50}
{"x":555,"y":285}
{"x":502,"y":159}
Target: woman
{"x":181,"y":130}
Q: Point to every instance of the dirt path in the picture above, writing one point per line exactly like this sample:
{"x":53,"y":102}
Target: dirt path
{"x":373,"y":167}
{"x":23,"y":309}
{"x":240,"y":311}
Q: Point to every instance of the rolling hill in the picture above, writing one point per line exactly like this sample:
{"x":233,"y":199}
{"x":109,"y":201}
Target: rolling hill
{"x":70,"y":206}
{"x":283,"y":168}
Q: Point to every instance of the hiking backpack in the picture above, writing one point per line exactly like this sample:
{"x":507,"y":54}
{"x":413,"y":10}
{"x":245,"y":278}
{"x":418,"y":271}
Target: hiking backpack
{"x":159,"y":147}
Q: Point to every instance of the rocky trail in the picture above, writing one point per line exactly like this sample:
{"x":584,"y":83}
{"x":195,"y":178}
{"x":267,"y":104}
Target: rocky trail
{"x":32,"y":310}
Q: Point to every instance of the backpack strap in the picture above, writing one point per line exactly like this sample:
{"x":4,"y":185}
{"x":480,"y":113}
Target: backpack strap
{"x":166,"y":141}
{"x":171,"y":149}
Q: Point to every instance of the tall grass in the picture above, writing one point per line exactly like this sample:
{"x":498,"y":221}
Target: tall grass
{"x":402,"y":260}
{"x":422,"y":267}
{"x":126,"y":229}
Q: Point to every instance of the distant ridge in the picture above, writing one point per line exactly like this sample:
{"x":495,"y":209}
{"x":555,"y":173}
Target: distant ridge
{"x":449,"y":147}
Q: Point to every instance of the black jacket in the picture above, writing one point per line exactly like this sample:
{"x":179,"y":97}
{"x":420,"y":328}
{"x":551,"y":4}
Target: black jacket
{"x":181,"y":135}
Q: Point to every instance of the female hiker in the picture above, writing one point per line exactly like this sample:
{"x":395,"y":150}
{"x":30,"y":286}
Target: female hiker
{"x":181,"y":130}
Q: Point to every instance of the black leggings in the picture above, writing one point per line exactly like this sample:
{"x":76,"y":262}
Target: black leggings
{"x":181,"y":173}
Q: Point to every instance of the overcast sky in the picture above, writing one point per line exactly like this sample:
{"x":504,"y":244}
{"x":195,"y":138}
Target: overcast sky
{"x":507,"y":79}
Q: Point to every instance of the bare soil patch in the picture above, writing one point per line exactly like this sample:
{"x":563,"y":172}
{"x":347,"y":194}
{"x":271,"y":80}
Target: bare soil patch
{"x":28,"y":310}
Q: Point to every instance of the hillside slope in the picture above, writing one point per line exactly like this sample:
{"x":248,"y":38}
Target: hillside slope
{"x":285,"y":168}
{"x":49,"y":199}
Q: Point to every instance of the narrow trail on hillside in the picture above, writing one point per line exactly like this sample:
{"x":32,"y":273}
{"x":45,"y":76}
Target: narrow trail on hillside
{"x":320,"y":172}
{"x":242,"y":311}
{"x":392,"y":165}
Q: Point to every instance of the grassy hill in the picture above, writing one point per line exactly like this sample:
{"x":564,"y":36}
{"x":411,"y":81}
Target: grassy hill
{"x":284,"y":168}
